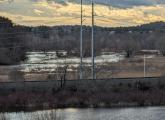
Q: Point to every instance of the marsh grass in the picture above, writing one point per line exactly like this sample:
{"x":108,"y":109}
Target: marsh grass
{"x":39,"y":115}
{"x":3,"y":117}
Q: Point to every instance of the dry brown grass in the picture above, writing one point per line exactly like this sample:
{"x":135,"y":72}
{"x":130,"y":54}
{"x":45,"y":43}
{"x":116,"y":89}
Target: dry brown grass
{"x":132,"y":67}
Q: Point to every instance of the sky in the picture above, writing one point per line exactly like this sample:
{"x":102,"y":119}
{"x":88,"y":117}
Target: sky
{"x":112,"y":13}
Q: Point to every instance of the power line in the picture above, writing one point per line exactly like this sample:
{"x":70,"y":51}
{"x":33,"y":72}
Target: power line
{"x":98,"y":2}
{"x":33,"y":32}
{"x":102,"y":20}
{"x":38,"y":32}
{"x":12,"y":47}
{"x":67,"y":16}
{"x":58,"y":20}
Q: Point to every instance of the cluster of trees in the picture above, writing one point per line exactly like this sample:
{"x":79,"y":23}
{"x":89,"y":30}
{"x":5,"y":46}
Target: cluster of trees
{"x":129,"y":39}
{"x":12,"y":48}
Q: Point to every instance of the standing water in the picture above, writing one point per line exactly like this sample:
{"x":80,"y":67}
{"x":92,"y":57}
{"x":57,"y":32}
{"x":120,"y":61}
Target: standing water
{"x":146,"y":113}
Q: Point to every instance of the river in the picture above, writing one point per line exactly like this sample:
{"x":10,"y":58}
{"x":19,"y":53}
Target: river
{"x":143,"y":113}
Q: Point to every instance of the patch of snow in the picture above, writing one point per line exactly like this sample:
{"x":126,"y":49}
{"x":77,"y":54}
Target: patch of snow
{"x":49,"y":62}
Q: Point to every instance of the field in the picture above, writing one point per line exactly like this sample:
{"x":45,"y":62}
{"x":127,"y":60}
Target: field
{"x":134,"y":67}
{"x":47,"y":66}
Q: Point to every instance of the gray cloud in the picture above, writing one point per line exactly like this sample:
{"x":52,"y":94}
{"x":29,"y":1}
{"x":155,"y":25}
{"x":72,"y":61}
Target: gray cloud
{"x":131,"y":3}
{"x":63,"y":2}
{"x":116,"y":3}
{"x":10,"y":1}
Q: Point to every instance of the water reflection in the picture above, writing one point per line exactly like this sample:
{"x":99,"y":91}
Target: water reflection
{"x":148,"y":113}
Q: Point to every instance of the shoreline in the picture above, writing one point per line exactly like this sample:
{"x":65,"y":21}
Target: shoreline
{"x":28,"y":110}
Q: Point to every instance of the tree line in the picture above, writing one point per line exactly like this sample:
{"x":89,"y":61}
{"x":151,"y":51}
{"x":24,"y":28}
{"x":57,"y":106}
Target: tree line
{"x":15,"y":40}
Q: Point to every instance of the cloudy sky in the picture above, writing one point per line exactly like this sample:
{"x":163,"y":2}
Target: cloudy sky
{"x":67,"y":12}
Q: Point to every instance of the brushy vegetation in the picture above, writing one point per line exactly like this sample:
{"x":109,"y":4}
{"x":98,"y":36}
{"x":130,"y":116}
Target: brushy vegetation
{"x":3,"y":117}
{"x":93,"y":95}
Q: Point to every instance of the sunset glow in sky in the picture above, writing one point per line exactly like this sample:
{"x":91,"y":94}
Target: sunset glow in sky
{"x":67,"y":12}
